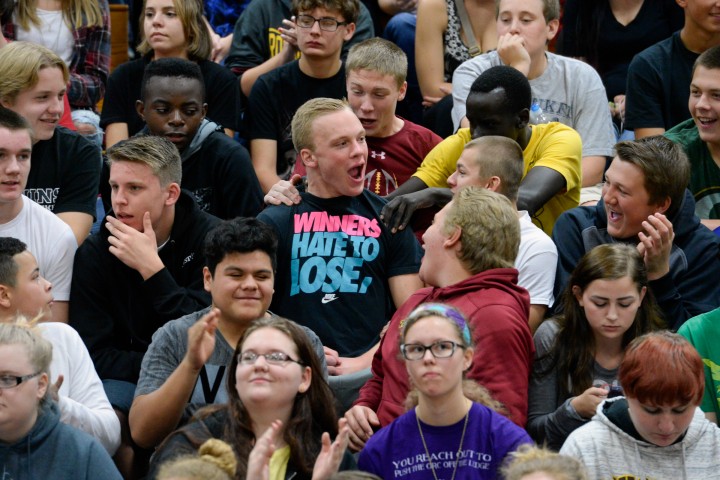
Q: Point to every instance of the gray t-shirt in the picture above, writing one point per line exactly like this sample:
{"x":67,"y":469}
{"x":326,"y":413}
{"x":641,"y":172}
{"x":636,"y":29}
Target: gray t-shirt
{"x":569,"y":91}
{"x":168,"y":348}
{"x":550,"y":418}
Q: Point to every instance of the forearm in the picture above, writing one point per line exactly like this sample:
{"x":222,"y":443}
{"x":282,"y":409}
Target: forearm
{"x":592,"y":170}
{"x":250,"y":76}
{"x":114,"y":133}
{"x":80,"y":223}
{"x":155,"y":415}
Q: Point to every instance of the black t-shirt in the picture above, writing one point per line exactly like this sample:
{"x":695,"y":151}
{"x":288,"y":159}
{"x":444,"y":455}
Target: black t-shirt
{"x":658,"y":85}
{"x":275,"y":98}
{"x":335,"y":257}
{"x":222,"y":94}
{"x":64,"y":173}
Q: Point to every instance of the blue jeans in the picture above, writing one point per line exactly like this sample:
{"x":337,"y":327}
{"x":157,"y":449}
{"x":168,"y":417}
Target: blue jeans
{"x":120,"y":393}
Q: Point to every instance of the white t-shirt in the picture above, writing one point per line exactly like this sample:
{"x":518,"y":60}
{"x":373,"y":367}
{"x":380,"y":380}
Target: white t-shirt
{"x":568,"y":91}
{"x":50,"y":240}
{"x":53,"y":34}
{"x":536,"y":262}
{"x":83,"y":402}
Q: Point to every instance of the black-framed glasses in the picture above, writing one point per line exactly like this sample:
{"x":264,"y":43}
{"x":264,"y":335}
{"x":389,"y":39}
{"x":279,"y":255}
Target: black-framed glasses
{"x":273,"y":358}
{"x":327,"y":24}
{"x":441,"y":349}
{"x":11,"y":381}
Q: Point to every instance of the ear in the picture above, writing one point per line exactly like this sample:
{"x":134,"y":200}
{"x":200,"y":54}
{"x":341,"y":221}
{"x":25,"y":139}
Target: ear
{"x":553,"y":27}
{"x":349,"y":31}
{"x":204,"y":110}
{"x":454,"y":239}
{"x":306,"y":380}
{"x":308,"y":158}
{"x":173,"y":194}
{"x":663,"y":206}
{"x":402,"y":91}
{"x":643,"y":291}
{"x":468,"y":358}
{"x":494,"y":183}
{"x":6,"y":294}
{"x":523,"y":118}
{"x":682,"y":3}
{"x":42,"y":386}
{"x":140,"y":108}
{"x":577,"y":293}
{"x":207,"y":279}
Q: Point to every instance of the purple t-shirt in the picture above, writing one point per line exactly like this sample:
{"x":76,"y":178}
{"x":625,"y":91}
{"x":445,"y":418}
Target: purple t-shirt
{"x":397,"y":452}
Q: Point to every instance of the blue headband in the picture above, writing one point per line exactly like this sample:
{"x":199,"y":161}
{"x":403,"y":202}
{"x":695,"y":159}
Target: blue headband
{"x":444,"y":311}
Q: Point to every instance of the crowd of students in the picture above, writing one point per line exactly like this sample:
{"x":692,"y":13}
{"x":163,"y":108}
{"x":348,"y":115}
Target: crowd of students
{"x":287,"y":279}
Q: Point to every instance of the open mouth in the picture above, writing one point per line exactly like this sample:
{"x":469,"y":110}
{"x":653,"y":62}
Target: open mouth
{"x":706,"y":121}
{"x":356,"y":172}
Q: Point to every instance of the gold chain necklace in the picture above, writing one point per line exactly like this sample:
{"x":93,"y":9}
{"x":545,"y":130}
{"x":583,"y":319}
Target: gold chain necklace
{"x":457,"y":456}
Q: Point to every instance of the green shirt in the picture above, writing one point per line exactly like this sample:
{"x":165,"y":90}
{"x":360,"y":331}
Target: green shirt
{"x":703,"y":332}
{"x":704,"y":172}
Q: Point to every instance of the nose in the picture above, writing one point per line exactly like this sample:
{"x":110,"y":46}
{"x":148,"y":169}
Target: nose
{"x":451,"y":180}
{"x":47,"y":285}
{"x":366,"y":105}
{"x":56,"y":105}
{"x":428,"y":357}
{"x":248,"y":283}
{"x":176,"y":119}
{"x":702,"y":102}
{"x":13,"y":166}
{"x":612,"y":311}
{"x":117,"y":196}
{"x":156,"y":18}
{"x":316,"y":28}
{"x":515,"y":26}
{"x":261,"y":363}
{"x":666,"y":424}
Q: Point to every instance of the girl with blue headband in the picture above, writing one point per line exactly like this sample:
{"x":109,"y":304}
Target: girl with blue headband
{"x":446,"y":435}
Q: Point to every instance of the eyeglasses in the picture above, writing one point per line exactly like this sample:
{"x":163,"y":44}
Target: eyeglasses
{"x":273,"y":358}
{"x":11,"y":381}
{"x":441,"y":349}
{"x":327,"y":24}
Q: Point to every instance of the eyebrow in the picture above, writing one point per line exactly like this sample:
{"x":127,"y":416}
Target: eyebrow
{"x":600,"y":297}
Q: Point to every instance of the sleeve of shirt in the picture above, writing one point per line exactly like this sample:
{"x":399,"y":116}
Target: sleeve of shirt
{"x":405,"y":253}
{"x":538,"y":272}
{"x":592,"y":116}
{"x":81,"y":178}
{"x":261,"y":115}
{"x":115,"y":104}
{"x":242,"y":197}
{"x":89,"y":316}
{"x":163,"y":356}
{"x":643,"y":97}
{"x":223,"y":98}
{"x":462,"y":80}
{"x":507,"y":377}
{"x":561,"y":151}
{"x":87,"y":83}
{"x":567,"y":235}
{"x":549,"y":420}
{"x":250,"y":37}
{"x":441,"y":162}
{"x":60,"y":273}
{"x":85,"y":406}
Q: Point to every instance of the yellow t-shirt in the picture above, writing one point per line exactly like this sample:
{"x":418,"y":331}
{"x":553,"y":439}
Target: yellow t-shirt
{"x":552,"y":145}
{"x":278,"y":463}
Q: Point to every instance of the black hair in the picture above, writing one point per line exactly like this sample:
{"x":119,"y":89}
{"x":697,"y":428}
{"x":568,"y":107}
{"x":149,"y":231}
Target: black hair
{"x":14,"y":121}
{"x":174,"y":68}
{"x":9,"y":247}
{"x":516,"y":86}
{"x":239,"y":235}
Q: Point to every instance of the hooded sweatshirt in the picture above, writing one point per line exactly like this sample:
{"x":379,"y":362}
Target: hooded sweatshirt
{"x":609,"y":451}
{"x":690,"y":288}
{"x":497,"y":311}
{"x":55,"y":450}
{"x":217,"y":171}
